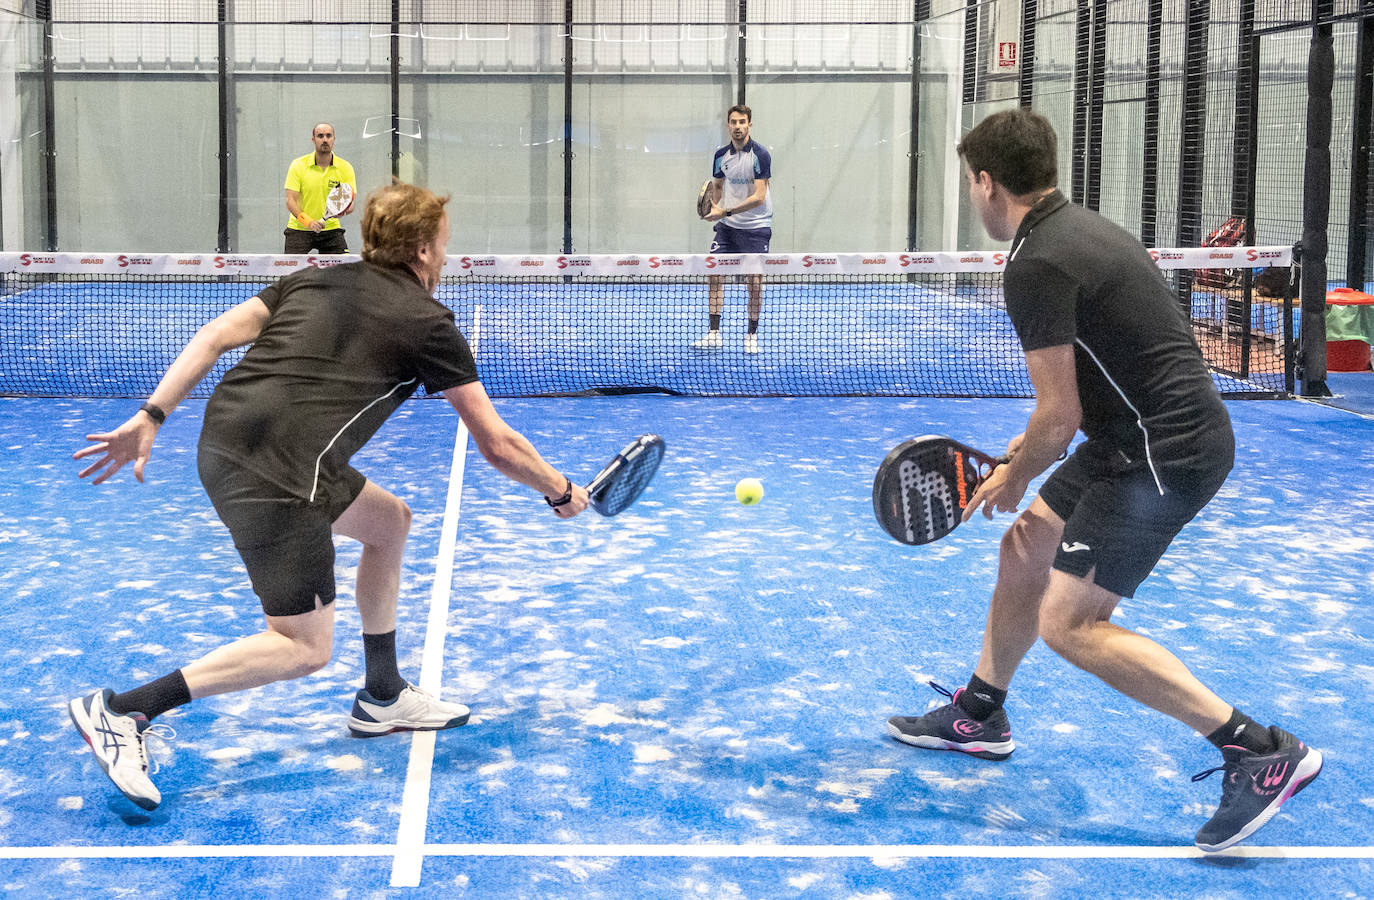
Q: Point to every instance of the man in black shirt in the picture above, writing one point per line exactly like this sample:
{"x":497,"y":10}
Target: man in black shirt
{"x":334,"y":352}
{"x":1108,"y":351}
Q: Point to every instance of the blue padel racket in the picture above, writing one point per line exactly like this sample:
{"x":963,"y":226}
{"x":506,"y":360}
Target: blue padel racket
{"x":925,"y":484}
{"x":624,"y":478}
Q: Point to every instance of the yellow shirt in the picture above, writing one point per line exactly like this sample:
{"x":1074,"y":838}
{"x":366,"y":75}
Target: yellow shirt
{"x":313,"y":182}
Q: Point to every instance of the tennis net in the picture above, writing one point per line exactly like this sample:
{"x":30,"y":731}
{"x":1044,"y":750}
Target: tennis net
{"x":832,"y":324}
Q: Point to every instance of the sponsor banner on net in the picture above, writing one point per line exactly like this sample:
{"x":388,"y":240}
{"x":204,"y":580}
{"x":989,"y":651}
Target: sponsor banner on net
{"x":1221,"y":257}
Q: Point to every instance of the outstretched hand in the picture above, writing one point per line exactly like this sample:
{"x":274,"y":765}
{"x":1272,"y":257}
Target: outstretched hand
{"x":132,"y":441}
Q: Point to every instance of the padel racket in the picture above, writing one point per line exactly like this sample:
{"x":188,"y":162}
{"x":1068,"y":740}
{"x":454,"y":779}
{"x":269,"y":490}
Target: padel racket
{"x":624,"y":478}
{"x":704,"y":202}
{"x":925,"y":484}
{"x":340,"y":198}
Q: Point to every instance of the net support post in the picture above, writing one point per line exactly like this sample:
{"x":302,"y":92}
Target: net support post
{"x":43,"y":9}
{"x":1316,"y":203}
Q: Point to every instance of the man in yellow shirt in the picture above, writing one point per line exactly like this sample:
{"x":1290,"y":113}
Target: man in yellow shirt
{"x":308,"y":182}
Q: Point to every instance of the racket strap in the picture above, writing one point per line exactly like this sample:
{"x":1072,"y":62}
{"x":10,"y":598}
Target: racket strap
{"x":563,"y":500}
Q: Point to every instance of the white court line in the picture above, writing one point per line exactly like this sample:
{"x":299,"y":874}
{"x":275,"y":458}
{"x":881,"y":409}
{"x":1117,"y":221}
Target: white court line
{"x":410,"y":832}
{"x":684,"y":851}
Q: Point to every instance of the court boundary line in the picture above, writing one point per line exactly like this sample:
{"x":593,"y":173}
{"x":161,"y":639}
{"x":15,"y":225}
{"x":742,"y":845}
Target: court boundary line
{"x":410,"y":831}
{"x":685,"y":851}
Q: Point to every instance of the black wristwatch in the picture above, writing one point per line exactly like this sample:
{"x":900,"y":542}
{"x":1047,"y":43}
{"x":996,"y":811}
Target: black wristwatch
{"x":563,"y":500}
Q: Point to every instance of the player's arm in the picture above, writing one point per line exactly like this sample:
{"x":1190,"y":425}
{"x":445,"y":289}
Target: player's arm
{"x":293,"y":206}
{"x":754,"y":199}
{"x":133,"y":441}
{"x":717,"y":189}
{"x":509,"y":451}
{"x":1052,"y":426}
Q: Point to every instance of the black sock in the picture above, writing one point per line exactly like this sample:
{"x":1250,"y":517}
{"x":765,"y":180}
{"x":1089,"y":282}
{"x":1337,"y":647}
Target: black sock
{"x":981,"y":699}
{"x":1242,"y":731}
{"x":384,"y":681}
{"x":753,"y":326}
{"x":154,"y":698}
{"x":714,"y":321}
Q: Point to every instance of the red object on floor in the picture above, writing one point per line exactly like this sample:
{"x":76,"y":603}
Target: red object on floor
{"x":1347,"y":356}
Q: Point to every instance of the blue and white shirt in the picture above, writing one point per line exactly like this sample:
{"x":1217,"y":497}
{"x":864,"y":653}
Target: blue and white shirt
{"x":740,"y":169}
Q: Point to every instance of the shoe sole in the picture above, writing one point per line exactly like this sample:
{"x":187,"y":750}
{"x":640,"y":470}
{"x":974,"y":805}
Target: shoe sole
{"x":1308,"y":769}
{"x":82,"y":720}
{"x":997,"y":752}
{"x":360,"y":729}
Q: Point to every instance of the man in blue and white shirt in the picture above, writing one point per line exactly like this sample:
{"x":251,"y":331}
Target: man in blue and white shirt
{"x":743,"y":212}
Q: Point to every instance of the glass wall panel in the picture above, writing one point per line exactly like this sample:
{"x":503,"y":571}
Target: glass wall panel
{"x":21,"y":133}
{"x":495,"y":145}
{"x":482,"y":120}
{"x":137,"y":162}
{"x":649,"y":109}
{"x":833,"y":103}
{"x":275,"y":116}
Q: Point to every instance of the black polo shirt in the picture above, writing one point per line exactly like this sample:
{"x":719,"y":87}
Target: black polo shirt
{"x":344,"y":346}
{"x":1074,"y":277}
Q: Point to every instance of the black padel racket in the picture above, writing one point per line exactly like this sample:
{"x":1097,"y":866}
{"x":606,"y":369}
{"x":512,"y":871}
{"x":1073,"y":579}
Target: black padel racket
{"x":924,"y":486}
{"x":704,"y":202}
{"x":624,"y":478}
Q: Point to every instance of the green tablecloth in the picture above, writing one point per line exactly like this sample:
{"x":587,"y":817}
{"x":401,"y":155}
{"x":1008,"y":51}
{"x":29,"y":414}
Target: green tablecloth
{"x":1350,"y":323}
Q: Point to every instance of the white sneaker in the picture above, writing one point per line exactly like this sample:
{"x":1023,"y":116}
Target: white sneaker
{"x":710,"y":341}
{"x":118,"y":744}
{"x":751,"y":343}
{"x":412,"y":710}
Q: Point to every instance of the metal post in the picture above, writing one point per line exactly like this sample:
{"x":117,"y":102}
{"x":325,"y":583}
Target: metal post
{"x":1025,"y":91}
{"x":920,"y":13}
{"x":1149,"y":179}
{"x":224,"y":75}
{"x":567,"y":126}
{"x":44,"y":11}
{"x":1357,"y":255}
{"x":741,"y":73}
{"x":395,"y":88}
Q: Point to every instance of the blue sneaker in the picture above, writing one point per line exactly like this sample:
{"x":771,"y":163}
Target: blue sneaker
{"x":1254,"y":786}
{"x":950,"y":727}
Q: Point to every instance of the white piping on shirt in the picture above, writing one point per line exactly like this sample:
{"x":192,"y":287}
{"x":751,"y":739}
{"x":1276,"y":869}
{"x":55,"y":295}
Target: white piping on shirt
{"x":315,"y":484}
{"x":1149,"y":460}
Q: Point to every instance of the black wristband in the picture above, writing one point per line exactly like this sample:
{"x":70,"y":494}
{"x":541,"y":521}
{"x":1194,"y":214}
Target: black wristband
{"x":154,"y":412}
{"x":563,"y":500}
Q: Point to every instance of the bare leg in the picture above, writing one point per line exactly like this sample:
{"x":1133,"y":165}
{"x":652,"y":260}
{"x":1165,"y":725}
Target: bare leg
{"x":1022,"y":575}
{"x":715,"y":291}
{"x":290,"y":647}
{"x":1074,"y":623}
{"x":755,"y":283}
{"x":381,"y":522}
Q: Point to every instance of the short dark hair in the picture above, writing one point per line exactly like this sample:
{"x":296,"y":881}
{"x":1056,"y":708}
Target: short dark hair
{"x":1017,"y":148}
{"x":398,"y":220}
{"x":742,"y":110}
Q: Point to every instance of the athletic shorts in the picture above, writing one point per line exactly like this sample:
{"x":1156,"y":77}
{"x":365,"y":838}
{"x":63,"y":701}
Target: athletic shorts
{"x":286,"y":543}
{"x":303,"y":240}
{"x":740,"y":240}
{"x":1115,"y":519}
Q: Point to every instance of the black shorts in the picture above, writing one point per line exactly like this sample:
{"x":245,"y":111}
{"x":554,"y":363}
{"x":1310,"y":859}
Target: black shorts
{"x":1115,"y":519}
{"x":300,"y":241}
{"x":285,"y":542}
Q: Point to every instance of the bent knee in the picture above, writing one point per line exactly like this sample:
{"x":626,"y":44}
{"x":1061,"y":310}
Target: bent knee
{"x":311,"y":656}
{"x":1029,"y":544}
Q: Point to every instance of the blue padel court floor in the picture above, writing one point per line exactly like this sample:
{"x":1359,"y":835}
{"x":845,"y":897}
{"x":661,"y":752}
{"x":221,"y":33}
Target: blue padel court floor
{"x":685,"y":701}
